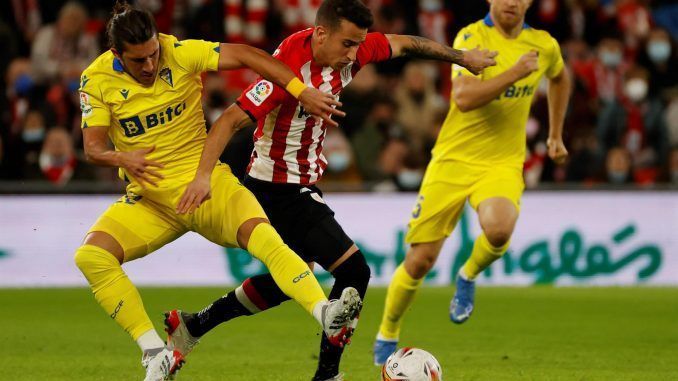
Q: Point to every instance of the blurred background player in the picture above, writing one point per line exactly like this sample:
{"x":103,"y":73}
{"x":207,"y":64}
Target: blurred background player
{"x":144,"y":95}
{"x":479,"y":156}
{"x":288,"y":161}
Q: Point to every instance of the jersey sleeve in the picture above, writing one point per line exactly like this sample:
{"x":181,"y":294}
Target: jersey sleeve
{"x":556,"y":60}
{"x":260,"y":98}
{"x":94,"y":111}
{"x":197,"y":56}
{"x":466,"y":40}
{"x":376,"y":48}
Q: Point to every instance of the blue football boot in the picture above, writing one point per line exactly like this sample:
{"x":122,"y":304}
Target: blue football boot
{"x":383,"y":349}
{"x":461,"y":305}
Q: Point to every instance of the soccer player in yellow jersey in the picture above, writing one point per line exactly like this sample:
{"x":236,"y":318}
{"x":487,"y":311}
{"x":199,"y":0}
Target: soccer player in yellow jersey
{"x":479,"y":156}
{"x":144,"y":96}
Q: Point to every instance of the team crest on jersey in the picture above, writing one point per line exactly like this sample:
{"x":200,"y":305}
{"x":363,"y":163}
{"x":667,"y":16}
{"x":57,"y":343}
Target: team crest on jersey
{"x":85,"y":106}
{"x":260,"y":92}
{"x":346,"y":74}
{"x":83,"y":82}
{"x":166,"y":75}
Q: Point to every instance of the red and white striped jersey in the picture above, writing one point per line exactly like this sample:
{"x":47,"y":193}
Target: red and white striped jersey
{"x":288,"y":142}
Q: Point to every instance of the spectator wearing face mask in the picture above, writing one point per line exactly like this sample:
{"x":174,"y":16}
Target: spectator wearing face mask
{"x":58,"y":162}
{"x":618,"y":170}
{"x":606,"y":88}
{"x":660,"y":58}
{"x":608,"y":71}
{"x":26,"y":145}
{"x":410,"y":175}
{"x":642,"y":123}
{"x":341,"y":166}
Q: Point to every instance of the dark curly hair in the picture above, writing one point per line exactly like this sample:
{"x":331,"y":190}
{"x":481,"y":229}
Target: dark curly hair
{"x":331,"y":13}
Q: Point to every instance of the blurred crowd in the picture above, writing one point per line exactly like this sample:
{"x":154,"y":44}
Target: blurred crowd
{"x":621,"y":127}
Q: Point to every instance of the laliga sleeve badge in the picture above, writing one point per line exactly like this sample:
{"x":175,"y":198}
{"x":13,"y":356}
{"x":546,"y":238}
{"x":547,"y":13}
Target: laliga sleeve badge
{"x":260,"y":92}
{"x":85,"y":106}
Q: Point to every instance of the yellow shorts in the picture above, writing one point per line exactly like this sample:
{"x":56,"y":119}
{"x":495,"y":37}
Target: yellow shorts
{"x":143,"y":224}
{"x":446,"y":187}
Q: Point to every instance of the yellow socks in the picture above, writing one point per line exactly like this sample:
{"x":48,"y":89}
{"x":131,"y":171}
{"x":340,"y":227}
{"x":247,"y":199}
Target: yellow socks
{"x":482,"y":256}
{"x":114,"y":291}
{"x":289,"y":271}
{"x":399,"y":297}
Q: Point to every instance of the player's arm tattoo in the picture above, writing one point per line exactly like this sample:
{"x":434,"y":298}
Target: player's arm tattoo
{"x":421,"y":47}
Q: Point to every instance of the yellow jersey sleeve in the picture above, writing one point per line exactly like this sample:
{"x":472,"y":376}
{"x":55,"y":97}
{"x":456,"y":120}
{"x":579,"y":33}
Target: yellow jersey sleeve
{"x":197,"y":56}
{"x":466,"y":40}
{"x":556,"y":60}
{"x":94,"y":111}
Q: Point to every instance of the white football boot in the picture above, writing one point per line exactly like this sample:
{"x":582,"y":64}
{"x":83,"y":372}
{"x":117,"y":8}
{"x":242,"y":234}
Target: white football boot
{"x":160,"y":365}
{"x":338,"y":316}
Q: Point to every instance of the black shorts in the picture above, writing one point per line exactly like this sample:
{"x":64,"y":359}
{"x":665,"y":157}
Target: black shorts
{"x":302,"y":219}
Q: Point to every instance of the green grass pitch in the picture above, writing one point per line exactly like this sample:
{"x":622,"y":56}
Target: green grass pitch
{"x":538,"y":333}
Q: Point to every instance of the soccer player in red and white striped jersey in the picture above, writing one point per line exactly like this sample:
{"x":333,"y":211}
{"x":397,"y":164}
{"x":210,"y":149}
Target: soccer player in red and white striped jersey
{"x":288,"y":144}
{"x":287,"y":160}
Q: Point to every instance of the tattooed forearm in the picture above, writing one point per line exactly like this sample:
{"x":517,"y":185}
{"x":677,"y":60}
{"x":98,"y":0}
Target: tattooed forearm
{"x":424,"y":48}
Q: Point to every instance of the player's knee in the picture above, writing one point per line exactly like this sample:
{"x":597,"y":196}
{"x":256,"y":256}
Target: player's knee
{"x":354,"y":272}
{"x":246,"y":229}
{"x":81,"y":259}
{"x":89,"y":258}
{"x":498,"y":236}
{"x":419,"y":262}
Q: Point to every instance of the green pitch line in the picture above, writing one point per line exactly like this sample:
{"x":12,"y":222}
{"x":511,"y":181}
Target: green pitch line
{"x":536,"y":334}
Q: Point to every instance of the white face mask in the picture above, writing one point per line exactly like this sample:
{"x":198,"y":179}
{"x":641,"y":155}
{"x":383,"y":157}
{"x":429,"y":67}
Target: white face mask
{"x":610,"y":59}
{"x":431,"y":5}
{"x":338,"y":161}
{"x":659,"y":51}
{"x":33,"y":135}
{"x":617,"y":177}
{"x":50,"y":161}
{"x":410,"y":179}
{"x":636,"y":89}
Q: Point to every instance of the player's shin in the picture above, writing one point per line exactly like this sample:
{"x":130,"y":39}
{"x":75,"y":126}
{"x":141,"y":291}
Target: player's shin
{"x":117,"y":295}
{"x":254,"y":295}
{"x":482,"y":256}
{"x":399,"y":297}
{"x":291,"y":273}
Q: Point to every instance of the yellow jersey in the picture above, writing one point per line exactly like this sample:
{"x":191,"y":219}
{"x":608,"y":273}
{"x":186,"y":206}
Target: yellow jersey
{"x":166,"y":115}
{"x":494,"y":134}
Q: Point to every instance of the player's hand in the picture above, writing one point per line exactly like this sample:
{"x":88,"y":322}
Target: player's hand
{"x":477,"y":60}
{"x":141,"y":169}
{"x":197,"y":192}
{"x":557,"y":151}
{"x":321,"y":105}
{"x":527,"y":64}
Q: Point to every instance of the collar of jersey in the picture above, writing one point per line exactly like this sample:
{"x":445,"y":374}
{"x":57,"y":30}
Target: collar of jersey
{"x":117,"y":65}
{"x":488,"y":21}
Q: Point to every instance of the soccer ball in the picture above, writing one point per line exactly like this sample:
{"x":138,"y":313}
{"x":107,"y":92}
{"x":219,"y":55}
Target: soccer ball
{"x":411,"y":364}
